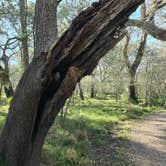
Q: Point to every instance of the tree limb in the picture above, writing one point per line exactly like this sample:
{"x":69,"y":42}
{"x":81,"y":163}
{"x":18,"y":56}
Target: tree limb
{"x":151,"y":29}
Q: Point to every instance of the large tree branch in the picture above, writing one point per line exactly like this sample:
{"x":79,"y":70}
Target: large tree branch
{"x":151,"y":29}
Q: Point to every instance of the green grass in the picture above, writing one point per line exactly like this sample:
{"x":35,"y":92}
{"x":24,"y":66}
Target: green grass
{"x":86,"y":128}
{"x":4,"y":105}
{"x":95,"y":131}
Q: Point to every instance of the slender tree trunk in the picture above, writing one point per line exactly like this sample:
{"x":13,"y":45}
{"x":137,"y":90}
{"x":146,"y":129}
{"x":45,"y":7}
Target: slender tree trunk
{"x":147,"y":100}
{"x":24,"y":32}
{"x":81,"y":91}
{"x":0,"y":91}
{"x":132,"y":89}
{"x":51,"y":78}
{"x":92,"y":87}
{"x":92,"y":91}
{"x":8,"y":89}
{"x":5,"y":81}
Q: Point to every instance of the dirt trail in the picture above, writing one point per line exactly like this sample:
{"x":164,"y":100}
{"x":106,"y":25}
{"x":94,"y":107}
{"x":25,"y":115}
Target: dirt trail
{"x":148,"y":141}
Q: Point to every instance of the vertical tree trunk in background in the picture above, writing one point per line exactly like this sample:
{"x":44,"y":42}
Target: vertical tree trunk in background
{"x":81,"y":91}
{"x":92,"y":87}
{"x":147,"y":100}
{"x":24,"y":32}
{"x":133,"y":67}
{"x":0,"y":91}
{"x":5,"y":80}
{"x":45,"y":25}
{"x":51,"y":78}
{"x":8,"y":88}
{"x":132,"y":89}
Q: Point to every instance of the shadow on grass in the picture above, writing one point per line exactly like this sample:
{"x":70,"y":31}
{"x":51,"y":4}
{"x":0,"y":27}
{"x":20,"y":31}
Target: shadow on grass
{"x":143,"y":154}
{"x":88,"y":135}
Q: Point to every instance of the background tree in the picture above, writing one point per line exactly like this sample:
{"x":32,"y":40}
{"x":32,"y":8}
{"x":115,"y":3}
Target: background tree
{"x":81,"y":91}
{"x":45,"y":25}
{"x":24,"y":32}
{"x":5,"y":78}
{"x":133,"y":67}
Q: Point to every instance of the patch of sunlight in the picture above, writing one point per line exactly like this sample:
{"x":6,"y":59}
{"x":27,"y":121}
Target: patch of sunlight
{"x":101,"y":118}
{"x":1,"y":119}
{"x":48,"y":147}
{"x":60,"y":131}
{"x":4,"y":108}
{"x":124,"y":132}
{"x":2,"y":122}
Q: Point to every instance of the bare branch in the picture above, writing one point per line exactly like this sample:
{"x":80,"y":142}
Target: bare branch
{"x":161,"y":4}
{"x":151,"y":29}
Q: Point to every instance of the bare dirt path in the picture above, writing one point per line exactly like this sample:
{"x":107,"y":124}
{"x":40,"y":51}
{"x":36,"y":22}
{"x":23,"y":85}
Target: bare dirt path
{"x":148,"y":141}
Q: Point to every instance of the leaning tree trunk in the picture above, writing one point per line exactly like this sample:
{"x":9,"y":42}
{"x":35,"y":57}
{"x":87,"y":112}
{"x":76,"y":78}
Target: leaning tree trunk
{"x":51,"y":78}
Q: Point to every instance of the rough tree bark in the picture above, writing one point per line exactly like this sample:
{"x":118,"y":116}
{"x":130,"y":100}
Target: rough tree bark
{"x":24,"y":33}
{"x":51,"y":78}
{"x":45,"y":25}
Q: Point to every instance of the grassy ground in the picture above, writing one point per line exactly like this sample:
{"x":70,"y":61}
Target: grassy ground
{"x":95,"y":132}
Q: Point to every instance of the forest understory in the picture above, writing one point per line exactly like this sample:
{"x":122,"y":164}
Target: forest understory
{"x":94,"y":132}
